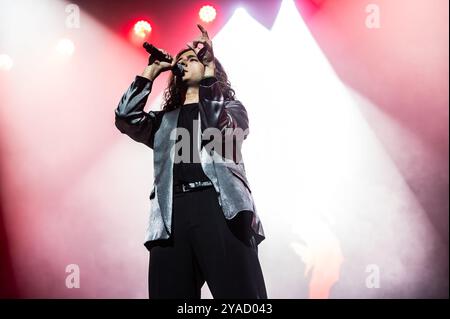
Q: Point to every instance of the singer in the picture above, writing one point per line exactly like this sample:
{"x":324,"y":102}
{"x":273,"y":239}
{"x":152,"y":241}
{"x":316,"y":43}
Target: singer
{"x":203,"y":224}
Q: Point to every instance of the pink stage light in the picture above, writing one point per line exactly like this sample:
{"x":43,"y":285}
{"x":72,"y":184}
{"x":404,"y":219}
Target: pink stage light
{"x":207,"y":13}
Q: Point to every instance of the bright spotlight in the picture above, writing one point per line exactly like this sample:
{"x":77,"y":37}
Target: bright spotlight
{"x":65,"y":47}
{"x":240,"y":11}
{"x":6,"y":62}
{"x":207,"y":13}
{"x":142,"y":28}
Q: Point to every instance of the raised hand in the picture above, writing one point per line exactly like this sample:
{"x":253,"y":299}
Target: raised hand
{"x":202,"y":46}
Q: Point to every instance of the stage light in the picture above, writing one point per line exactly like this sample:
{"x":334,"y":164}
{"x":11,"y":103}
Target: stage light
{"x":6,"y":62}
{"x":65,"y":47}
{"x":142,"y":28}
{"x":207,"y":13}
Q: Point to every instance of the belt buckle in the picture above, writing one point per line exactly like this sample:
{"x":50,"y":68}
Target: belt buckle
{"x":187,"y":187}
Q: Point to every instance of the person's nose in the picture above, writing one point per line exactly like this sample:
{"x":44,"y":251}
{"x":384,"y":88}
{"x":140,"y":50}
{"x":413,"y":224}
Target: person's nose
{"x":184,"y":65}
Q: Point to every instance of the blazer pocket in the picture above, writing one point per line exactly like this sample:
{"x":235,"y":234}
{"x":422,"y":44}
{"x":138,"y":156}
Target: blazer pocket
{"x":239,"y":175}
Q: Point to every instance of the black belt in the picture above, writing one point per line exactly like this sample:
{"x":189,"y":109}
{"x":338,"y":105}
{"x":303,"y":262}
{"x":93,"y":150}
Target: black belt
{"x":187,"y":187}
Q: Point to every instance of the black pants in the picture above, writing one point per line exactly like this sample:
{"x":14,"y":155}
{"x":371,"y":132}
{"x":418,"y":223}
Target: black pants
{"x":205,"y":247}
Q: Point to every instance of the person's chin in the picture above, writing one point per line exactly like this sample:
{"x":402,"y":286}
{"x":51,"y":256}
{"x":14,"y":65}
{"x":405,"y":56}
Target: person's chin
{"x":189,"y":81}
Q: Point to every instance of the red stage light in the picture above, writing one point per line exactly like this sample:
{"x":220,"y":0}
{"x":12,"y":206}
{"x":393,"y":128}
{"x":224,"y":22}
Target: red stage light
{"x":142,"y":28}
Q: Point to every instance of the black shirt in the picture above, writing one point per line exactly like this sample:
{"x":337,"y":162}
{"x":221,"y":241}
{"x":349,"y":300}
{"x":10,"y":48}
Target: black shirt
{"x":190,"y":171}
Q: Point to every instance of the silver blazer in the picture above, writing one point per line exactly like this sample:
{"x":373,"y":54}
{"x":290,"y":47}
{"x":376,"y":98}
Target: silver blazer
{"x":154,"y":129}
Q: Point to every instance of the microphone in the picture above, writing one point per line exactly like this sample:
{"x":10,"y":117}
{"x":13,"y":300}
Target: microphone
{"x":156,"y":54}
{"x":178,"y":70}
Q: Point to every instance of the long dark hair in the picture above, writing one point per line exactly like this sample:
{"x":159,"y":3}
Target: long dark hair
{"x":175,"y":92}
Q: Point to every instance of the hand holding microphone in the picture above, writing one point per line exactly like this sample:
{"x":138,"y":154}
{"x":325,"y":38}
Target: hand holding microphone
{"x":160,"y":61}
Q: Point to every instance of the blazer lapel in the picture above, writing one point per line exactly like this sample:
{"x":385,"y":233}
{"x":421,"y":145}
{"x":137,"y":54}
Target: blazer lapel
{"x":163,"y":159}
